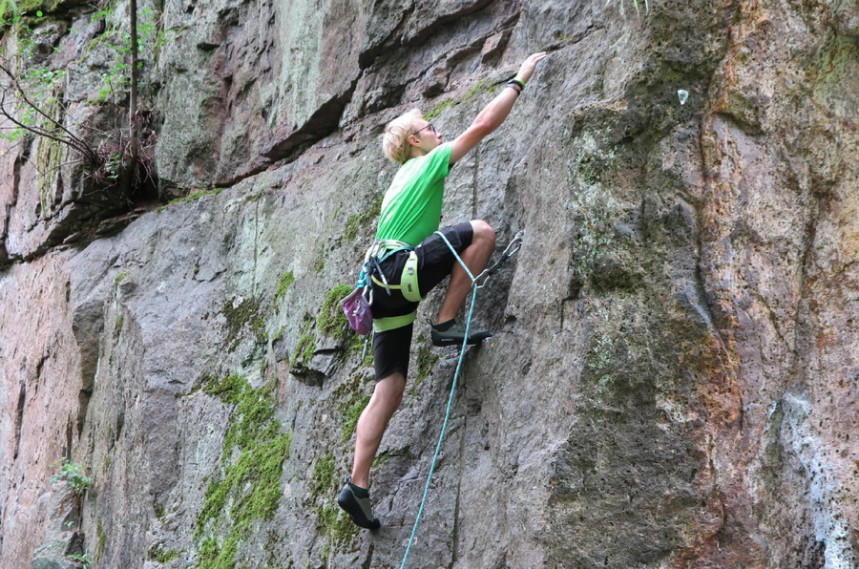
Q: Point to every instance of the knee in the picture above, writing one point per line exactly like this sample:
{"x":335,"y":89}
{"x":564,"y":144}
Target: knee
{"x":395,"y":397}
{"x":483,"y":232}
{"x":389,"y":391}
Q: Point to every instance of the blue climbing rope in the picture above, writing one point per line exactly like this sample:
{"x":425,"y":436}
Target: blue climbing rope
{"x":512,"y":248}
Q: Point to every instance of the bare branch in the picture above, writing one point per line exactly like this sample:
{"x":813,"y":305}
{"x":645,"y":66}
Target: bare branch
{"x":73,"y":140}
{"x":39,"y":131}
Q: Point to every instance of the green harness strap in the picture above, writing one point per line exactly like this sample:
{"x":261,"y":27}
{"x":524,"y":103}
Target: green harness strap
{"x":392,"y":322}
{"x":409,"y":279}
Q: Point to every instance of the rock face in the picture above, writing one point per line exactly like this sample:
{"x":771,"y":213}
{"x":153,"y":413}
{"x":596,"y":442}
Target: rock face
{"x":673,"y":380}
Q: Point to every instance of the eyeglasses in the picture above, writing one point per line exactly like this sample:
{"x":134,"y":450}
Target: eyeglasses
{"x":428,"y":126}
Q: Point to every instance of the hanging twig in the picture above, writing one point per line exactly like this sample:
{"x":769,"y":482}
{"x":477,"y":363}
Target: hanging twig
{"x":38,"y":131}
{"x":72,"y":140}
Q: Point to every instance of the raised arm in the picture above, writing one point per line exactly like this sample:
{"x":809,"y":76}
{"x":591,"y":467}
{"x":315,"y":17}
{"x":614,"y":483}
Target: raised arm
{"x":495,"y":112}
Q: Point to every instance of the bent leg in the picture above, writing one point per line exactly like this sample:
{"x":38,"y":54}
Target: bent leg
{"x":386,"y":398}
{"x":476,"y":257}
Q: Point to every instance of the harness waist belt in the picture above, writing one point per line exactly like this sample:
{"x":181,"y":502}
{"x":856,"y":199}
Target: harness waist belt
{"x":392,"y":322}
{"x":383,"y":247}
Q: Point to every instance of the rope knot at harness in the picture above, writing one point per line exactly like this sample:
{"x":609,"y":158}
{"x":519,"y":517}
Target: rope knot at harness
{"x":511,"y":249}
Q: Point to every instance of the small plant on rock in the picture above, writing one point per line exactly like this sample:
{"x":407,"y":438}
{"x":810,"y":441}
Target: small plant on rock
{"x":81,"y":558}
{"x":73,"y":474}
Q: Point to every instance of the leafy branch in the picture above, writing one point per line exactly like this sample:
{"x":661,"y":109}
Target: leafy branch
{"x":73,"y":475}
{"x":31,"y":105}
{"x":55,"y":130}
{"x":7,"y":6}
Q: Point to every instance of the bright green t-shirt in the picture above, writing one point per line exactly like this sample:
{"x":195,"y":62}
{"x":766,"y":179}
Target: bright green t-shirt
{"x":411,"y":209}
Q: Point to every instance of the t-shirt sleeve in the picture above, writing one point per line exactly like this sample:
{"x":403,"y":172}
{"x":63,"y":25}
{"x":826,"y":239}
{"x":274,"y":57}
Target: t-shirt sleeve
{"x":438,"y":161}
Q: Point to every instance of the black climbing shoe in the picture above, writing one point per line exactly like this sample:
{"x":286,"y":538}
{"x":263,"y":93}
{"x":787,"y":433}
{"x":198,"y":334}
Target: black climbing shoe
{"x":451,"y":333}
{"x":355,"y":501}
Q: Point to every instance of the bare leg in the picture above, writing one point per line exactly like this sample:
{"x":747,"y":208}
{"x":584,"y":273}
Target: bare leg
{"x":476,"y":257}
{"x":372,"y":424}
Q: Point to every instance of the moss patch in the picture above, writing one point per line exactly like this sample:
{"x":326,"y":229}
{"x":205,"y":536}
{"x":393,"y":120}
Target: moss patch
{"x":195,"y":196}
{"x":351,"y":411}
{"x":483,"y":86}
{"x":380,"y":459}
{"x":306,"y":346}
{"x":305,"y":349}
{"x":241,"y":313}
{"x":27,"y":6}
{"x":102,"y":539}
{"x":336,"y":524}
{"x":283,"y":283}
{"x":319,"y":264}
{"x":331,"y":320}
{"x":352,"y":402}
{"x":329,"y":518}
{"x":158,"y":553}
{"x":356,"y":346}
{"x":49,"y":157}
{"x":359,"y":221}
{"x":247,"y":489}
{"x":426,"y":361}
{"x":324,"y":477}
{"x":437,"y":110}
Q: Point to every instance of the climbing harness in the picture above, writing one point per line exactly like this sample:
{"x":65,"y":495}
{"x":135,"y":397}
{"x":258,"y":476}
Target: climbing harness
{"x":512,"y":248}
{"x":357,"y":304}
{"x":408,"y":278}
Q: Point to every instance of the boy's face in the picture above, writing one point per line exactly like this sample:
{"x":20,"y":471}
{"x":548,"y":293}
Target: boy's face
{"x":427,"y":137}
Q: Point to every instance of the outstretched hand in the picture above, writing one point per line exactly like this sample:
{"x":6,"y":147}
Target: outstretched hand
{"x":495,"y":112}
{"x":528,"y":66}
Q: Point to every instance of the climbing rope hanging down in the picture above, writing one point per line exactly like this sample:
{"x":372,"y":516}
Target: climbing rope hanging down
{"x":512,"y":248}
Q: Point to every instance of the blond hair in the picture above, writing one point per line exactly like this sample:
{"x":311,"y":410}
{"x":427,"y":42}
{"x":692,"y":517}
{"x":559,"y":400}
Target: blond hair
{"x":395,"y":144}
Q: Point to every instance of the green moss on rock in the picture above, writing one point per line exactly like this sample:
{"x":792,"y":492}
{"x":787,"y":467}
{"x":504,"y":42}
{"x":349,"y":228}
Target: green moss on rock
{"x":27,"y":6}
{"x":247,"y":488}
{"x":306,"y":346}
{"x":426,"y":361}
{"x":482,"y":86}
{"x":305,"y":349}
{"x":242,"y":313}
{"x":49,"y":157}
{"x":283,"y":283}
{"x":331,"y":320}
{"x":337,"y":525}
{"x":319,"y":264}
{"x":192,"y":196}
{"x":359,"y":221}
{"x":161,"y":555}
{"x":102,"y":539}
{"x":324,"y":476}
{"x":351,"y":412}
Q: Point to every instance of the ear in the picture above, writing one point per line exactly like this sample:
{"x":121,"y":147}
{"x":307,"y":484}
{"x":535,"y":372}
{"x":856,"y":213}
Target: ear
{"x":414,"y":140}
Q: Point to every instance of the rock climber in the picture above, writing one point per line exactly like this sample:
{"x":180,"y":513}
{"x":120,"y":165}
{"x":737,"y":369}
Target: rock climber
{"x":406,"y":247}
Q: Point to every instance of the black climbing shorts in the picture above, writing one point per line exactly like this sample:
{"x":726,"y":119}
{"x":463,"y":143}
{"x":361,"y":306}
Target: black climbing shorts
{"x":435,"y":262}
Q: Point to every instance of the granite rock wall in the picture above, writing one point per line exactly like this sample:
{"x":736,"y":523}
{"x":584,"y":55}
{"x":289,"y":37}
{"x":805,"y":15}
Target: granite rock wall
{"x":673,"y":378}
